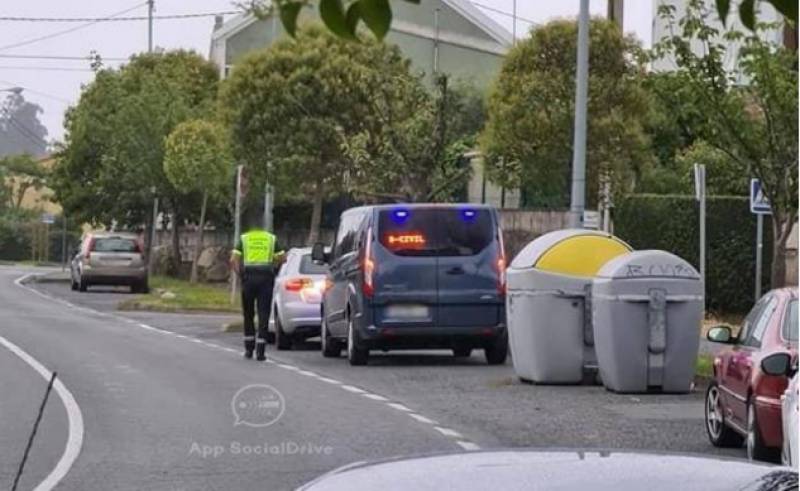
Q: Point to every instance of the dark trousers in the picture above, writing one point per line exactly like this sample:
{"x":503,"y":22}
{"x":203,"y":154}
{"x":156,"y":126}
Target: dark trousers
{"x":256,"y":293}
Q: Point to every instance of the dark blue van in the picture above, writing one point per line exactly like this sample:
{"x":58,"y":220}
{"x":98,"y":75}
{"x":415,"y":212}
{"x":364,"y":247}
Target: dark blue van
{"x":415,"y":276}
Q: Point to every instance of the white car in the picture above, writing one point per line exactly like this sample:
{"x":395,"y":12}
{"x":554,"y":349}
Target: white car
{"x":791,"y":408}
{"x":296,"y":299}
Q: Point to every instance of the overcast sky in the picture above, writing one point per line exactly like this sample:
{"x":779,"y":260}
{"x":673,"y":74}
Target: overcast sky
{"x":55,"y":84}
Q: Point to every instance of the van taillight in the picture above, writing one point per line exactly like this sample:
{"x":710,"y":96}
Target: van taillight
{"x":368,"y":270}
{"x":501,"y":263}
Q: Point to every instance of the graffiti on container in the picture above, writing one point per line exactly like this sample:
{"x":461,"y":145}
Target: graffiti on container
{"x":669,"y":270}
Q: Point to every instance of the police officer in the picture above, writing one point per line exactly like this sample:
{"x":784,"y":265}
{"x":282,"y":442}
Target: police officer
{"x":255,"y":260}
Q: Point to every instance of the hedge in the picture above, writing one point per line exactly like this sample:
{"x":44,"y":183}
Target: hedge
{"x":671,"y":223}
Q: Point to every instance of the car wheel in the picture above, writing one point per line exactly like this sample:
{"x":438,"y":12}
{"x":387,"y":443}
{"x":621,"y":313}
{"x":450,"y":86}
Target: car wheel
{"x":462,"y":352}
{"x":720,"y":434}
{"x":756,"y":450}
{"x":83,"y":286}
{"x":331,"y":348}
{"x":282,"y":340}
{"x":356,"y":353}
{"x":497,"y":352}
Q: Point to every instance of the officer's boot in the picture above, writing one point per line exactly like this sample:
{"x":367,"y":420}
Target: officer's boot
{"x":260,"y":350}
{"x":249,"y":344}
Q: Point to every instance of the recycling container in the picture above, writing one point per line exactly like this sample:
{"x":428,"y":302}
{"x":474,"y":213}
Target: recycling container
{"x":548,"y":321}
{"x":647,"y":309}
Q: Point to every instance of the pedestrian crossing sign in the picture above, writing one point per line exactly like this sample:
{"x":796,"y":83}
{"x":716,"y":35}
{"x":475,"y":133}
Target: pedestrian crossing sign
{"x":759,"y":203}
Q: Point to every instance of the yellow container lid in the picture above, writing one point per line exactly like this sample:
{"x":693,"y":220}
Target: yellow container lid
{"x":581,"y":255}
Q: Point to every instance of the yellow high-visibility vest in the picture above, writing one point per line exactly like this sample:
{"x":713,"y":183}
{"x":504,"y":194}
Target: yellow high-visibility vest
{"x":258,"y":248}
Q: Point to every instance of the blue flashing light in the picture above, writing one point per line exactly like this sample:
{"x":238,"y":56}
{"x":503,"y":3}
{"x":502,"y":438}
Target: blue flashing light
{"x":468,"y":215}
{"x":400,"y":216}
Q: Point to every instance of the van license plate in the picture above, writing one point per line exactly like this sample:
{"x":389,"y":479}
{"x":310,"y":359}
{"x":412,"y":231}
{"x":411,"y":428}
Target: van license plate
{"x":407,"y":312}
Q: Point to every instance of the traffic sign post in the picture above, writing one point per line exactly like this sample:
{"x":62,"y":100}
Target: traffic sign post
{"x":700,"y":196}
{"x":760,"y":206}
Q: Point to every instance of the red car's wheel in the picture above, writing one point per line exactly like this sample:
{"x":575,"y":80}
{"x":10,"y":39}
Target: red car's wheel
{"x":720,"y":434}
{"x":756,"y":450}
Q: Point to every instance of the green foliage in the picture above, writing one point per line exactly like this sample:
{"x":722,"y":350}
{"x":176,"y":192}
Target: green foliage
{"x":749,"y":114}
{"x":341,"y":17}
{"x":19,"y":174}
{"x":528,"y":137}
{"x":671,"y":223}
{"x":748,"y":8}
{"x":197,"y":157}
{"x":114,"y":144}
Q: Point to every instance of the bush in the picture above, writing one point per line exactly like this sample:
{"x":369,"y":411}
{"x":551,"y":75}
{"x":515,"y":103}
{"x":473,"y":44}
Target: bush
{"x":671,"y":223}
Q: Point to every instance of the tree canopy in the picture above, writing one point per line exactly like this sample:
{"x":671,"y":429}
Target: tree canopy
{"x":749,"y":114}
{"x":528,"y":137}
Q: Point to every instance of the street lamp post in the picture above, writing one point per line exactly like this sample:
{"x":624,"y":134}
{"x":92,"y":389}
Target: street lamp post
{"x":578,"y":195}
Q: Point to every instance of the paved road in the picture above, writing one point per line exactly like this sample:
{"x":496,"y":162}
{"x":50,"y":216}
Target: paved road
{"x":156,"y":407}
{"x":488,"y":406}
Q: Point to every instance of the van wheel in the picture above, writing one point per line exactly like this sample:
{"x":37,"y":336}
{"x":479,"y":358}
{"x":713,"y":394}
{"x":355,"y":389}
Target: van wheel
{"x":756,"y":450}
{"x":331,"y":348}
{"x":719,"y":434}
{"x":282,"y":340}
{"x":462,"y":352}
{"x":356,"y":353}
{"x":497,"y":352}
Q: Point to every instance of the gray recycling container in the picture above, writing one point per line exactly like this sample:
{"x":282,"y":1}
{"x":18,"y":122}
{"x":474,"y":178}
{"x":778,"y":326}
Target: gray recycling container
{"x":548,"y":321}
{"x":647,"y":309}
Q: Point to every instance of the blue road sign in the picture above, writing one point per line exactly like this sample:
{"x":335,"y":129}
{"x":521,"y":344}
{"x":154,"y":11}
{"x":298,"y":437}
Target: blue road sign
{"x":759,"y":203}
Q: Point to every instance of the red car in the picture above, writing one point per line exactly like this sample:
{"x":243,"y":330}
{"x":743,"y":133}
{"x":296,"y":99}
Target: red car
{"x":743,"y":403}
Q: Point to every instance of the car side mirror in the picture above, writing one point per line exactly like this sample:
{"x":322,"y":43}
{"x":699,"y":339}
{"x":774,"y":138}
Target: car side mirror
{"x":720,"y":334}
{"x":318,"y":253}
{"x":777,"y":364}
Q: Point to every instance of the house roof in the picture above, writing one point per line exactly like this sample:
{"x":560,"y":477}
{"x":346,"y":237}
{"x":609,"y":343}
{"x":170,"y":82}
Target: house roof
{"x":463,"y":7}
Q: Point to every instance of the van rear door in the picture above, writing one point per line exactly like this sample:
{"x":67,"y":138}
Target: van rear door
{"x":469,"y":291}
{"x":405,"y":267}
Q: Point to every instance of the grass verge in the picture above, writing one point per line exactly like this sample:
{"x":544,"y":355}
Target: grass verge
{"x":199,"y":297}
{"x":705,"y":366}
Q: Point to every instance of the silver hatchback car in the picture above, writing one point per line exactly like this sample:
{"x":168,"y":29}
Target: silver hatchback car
{"x":109,"y":258}
{"x":296,"y":299}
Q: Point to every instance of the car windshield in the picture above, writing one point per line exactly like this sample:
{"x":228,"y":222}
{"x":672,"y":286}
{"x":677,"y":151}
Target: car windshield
{"x":790,"y":326}
{"x":435,"y":231}
{"x":307,"y":266}
{"x":115,"y":244}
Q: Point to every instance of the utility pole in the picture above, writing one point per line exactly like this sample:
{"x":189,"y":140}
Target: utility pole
{"x":150,"y":8}
{"x":578,"y":195}
{"x":63,"y":241}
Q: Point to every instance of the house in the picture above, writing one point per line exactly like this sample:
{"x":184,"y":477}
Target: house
{"x":438,"y":36}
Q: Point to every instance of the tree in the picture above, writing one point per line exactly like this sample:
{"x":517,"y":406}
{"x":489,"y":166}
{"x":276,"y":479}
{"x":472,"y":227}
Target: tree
{"x":18,"y":175}
{"x":528,"y":137}
{"x":293,"y":106}
{"x":21,"y":131}
{"x":748,"y":9}
{"x":750,"y":113}
{"x":411,"y":147}
{"x":111,"y":165}
{"x":196,"y":159}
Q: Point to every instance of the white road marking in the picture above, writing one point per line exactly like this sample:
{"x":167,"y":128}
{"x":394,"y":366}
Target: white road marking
{"x":422,"y":419}
{"x":353,"y":389}
{"x":375,"y":397}
{"x":74,"y":419}
{"x":448,"y":432}
{"x":468,"y":446}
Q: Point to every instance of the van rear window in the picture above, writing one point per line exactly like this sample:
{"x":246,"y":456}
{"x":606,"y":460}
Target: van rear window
{"x":435,"y":231}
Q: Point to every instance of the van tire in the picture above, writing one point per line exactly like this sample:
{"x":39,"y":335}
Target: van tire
{"x":331,"y":348}
{"x":357,"y":355}
{"x":497,"y":352}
